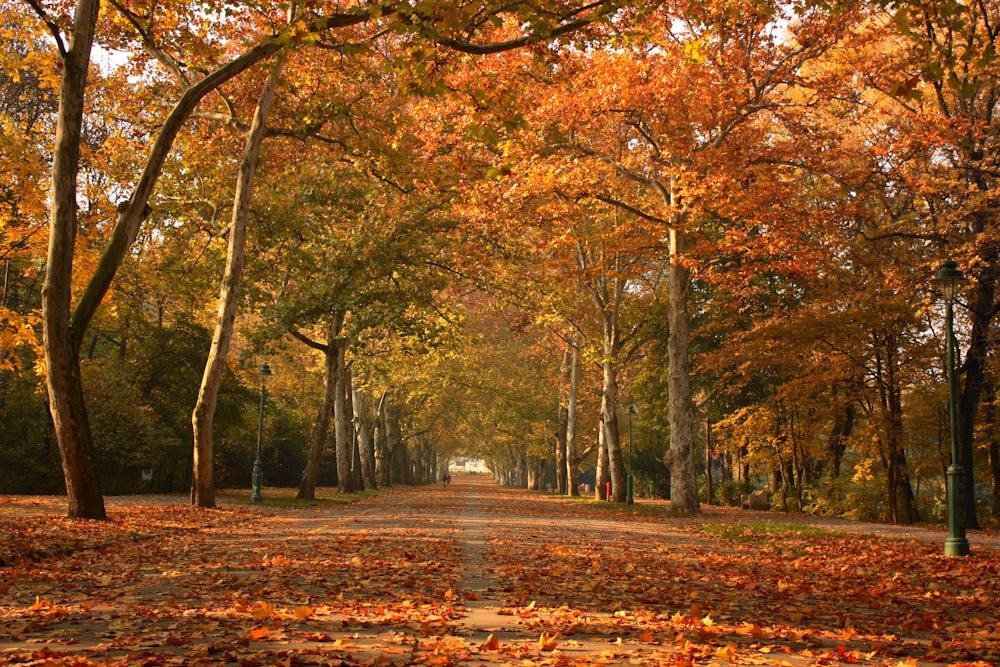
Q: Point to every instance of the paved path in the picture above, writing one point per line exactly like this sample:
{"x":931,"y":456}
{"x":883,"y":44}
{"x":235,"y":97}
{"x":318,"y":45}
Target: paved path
{"x":474,"y":574}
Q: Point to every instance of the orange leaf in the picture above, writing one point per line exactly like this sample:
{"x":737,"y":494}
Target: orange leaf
{"x":260,"y":633}
{"x":303,"y":612}
{"x":547,"y":643}
{"x":40,"y":604}
{"x":491,"y":644}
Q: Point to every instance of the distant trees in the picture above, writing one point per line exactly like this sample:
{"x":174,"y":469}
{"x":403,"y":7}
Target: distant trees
{"x":728,"y":216}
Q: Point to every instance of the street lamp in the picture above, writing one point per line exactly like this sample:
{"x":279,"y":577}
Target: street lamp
{"x":629,"y":498}
{"x":255,"y":497}
{"x":949,"y":279}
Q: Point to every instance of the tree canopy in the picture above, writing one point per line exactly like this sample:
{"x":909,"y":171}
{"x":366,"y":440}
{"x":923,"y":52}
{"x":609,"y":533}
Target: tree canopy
{"x":723,"y":217}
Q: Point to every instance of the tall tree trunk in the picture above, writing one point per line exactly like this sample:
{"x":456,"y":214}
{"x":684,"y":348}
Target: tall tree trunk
{"x":342,"y":419}
{"x":837,"y":441}
{"x":60,"y":340}
{"x":708,"y":461}
{"x":680,"y":457}
{"x":383,"y":470}
{"x":320,"y":432}
{"x":203,"y":484}
{"x":366,"y":452}
{"x":975,"y":374}
{"x":321,"y":427}
{"x":612,"y":438}
{"x":572,"y":478}
{"x":399,"y":470}
{"x":603,"y":474}
{"x":562,"y":417}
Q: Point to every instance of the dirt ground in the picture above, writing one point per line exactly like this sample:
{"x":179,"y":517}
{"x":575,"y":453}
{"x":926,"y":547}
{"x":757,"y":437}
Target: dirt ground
{"x":473,"y":574}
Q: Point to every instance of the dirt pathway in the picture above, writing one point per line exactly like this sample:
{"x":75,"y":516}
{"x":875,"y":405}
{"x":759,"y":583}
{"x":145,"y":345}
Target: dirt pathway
{"x":477,"y":575}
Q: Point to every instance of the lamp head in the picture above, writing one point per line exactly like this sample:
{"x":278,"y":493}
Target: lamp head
{"x":265,"y":373}
{"x":949,"y":279}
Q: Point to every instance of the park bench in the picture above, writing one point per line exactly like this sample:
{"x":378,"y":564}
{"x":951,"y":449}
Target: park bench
{"x":756,"y":500}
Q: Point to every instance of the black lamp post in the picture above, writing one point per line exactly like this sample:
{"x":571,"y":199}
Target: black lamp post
{"x":949,"y":279}
{"x":255,"y":496}
{"x":629,"y":498}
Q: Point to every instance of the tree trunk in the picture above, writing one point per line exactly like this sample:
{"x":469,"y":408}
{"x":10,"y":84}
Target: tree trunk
{"x":341,"y":419}
{"x":399,"y":472}
{"x":321,"y":427}
{"x":383,"y":470}
{"x":321,"y":430}
{"x":680,"y":456}
{"x":995,"y":470}
{"x":708,"y":462}
{"x":609,"y":404}
{"x":60,"y":340}
{"x":572,"y":482}
{"x":203,"y":484}
{"x":837,"y":441}
{"x":561,"y":420}
{"x":975,"y":373}
{"x":603,"y":475}
{"x":366,"y":452}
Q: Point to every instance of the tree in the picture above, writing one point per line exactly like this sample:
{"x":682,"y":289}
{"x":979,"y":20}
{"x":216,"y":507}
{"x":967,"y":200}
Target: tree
{"x":941,"y":84}
{"x":64,"y":323}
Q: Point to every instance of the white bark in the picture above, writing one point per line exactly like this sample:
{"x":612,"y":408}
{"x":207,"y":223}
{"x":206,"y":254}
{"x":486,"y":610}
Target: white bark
{"x":571,"y":419}
{"x":203,"y":485}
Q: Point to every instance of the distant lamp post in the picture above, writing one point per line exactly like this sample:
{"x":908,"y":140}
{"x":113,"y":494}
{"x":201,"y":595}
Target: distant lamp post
{"x":629,"y":498}
{"x":949,"y":279}
{"x":258,"y":465}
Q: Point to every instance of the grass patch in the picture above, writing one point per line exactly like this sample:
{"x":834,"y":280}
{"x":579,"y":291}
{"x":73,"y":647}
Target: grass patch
{"x":755,"y":531}
{"x":282,"y":497}
{"x":636,"y":509}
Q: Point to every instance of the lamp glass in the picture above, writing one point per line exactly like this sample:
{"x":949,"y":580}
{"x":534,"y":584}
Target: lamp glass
{"x":949,"y":279}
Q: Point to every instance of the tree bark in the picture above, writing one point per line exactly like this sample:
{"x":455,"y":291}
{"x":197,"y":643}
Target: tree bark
{"x":341,"y":419}
{"x":603,"y":476}
{"x":383,"y":459}
{"x":571,"y":423}
{"x":562,"y":417}
{"x":366,"y":451}
{"x":61,"y":342}
{"x":203,"y":484}
{"x":680,"y":456}
{"x":321,"y":427}
{"x":975,"y":376}
{"x":612,"y":437}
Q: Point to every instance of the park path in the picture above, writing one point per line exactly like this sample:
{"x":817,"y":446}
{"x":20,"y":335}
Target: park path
{"x":473,"y":574}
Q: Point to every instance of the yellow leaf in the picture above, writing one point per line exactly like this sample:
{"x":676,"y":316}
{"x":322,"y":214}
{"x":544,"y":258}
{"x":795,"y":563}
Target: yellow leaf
{"x":303,"y":612}
{"x":262,"y":610}
{"x":547,"y":643}
{"x":727,"y":652}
